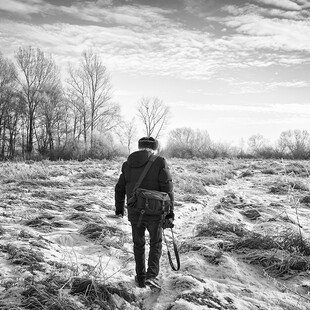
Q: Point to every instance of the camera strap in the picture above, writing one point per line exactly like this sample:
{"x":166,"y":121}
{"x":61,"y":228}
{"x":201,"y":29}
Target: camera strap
{"x":176,"y":252}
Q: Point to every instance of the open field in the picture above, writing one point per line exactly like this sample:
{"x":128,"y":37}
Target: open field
{"x":242,"y":226}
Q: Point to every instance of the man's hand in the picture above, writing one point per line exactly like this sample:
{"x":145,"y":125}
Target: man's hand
{"x":168,"y":223}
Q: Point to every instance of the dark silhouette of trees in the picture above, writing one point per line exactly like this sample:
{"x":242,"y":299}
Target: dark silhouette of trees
{"x":37,"y":75}
{"x":11,"y":109}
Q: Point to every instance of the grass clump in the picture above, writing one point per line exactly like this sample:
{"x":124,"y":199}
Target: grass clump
{"x":213,"y":256}
{"x":42,"y":221}
{"x":285,"y":253}
{"x":288,"y":240}
{"x":285,"y":186}
{"x":297,"y":169}
{"x":305,"y":199}
{"x":229,"y":201}
{"x":209,"y":299}
{"x":218,"y":228}
{"x":189,"y":184}
{"x":24,"y":256}
{"x":49,"y":294}
{"x":2,"y":231}
{"x":24,"y":171}
{"x":94,"y":293}
{"x":278,"y":263}
{"x":103,"y":234}
{"x":85,"y":217}
{"x":91,"y":174}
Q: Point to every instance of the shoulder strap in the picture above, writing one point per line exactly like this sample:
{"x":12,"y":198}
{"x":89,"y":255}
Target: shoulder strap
{"x":144,"y":172}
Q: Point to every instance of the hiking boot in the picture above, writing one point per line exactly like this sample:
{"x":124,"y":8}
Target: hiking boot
{"x":152,"y":283}
{"x":140,"y":282}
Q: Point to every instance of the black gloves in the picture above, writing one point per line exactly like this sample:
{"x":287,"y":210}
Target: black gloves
{"x":168,"y":221}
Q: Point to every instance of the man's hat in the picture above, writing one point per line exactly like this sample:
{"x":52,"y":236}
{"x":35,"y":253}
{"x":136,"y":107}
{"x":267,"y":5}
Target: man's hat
{"x":148,"y":143}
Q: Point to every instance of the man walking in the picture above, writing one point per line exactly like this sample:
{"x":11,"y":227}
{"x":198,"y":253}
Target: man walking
{"x":157,"y":178}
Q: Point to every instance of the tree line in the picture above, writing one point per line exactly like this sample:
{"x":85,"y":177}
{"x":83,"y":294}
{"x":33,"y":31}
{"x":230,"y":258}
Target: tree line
{"x":44,"y":116}
{"x":188,"y":143}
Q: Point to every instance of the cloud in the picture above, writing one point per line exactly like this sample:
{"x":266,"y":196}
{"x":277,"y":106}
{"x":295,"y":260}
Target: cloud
{"x":142,"y":39}
{"x":253,"y":87}
{"x":22,"y":8}
{"x":288,"y":109}
{"x":101,"y":11}
{"x":283,"y":4}
{"x":254,"y":31}
{"x":251,"y":9}
{"x":167,"y":53}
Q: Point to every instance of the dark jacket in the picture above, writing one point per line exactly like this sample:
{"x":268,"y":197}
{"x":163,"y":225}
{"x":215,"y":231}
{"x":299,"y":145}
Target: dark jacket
{"x":157,"y":178}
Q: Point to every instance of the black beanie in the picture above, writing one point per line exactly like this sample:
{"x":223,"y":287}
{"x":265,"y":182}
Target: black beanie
{"x":148,"y":143}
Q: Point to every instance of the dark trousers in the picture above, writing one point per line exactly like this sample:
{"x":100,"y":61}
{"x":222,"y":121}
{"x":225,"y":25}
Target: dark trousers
{"x":138,"y":235}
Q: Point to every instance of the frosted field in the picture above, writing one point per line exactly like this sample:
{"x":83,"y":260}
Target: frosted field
{"x":242,"y":227}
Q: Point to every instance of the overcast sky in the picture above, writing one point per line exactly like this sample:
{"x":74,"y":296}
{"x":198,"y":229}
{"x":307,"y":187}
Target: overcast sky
{"x":235,"y":68}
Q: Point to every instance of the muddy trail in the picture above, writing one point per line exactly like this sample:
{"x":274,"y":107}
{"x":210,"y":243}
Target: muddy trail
{"x":242,"y":229}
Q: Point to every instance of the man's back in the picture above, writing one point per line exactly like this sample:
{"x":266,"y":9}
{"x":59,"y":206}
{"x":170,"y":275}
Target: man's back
{"x":157,"y":178}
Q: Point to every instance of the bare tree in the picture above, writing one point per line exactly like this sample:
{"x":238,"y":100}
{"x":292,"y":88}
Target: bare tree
{"x":127,"y":134}
{"x":51,"y":111}
{"x":77,"y":97}
{"x":37,"y":73}
{"x":10,"y":110}
{"x":186,"y":142}
{"x":256,"y":143}
{"x":154,"y":115}
{"x":296,"y":143}
{"x":90,"y":87}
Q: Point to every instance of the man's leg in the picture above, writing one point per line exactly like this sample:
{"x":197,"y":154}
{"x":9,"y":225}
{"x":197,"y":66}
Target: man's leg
{"x":138,"y":237}
{"x":155,"y":230}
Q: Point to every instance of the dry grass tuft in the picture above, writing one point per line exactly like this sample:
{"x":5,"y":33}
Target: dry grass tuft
{"x":92,"y":230}
{"x":251,"y":214}
{"x":209,"y":299}
{"x":288,"y":240}
{"x":93,"y":292}
{"x":25,"y":234}
{"x":24,"y":256}
{"x":229,"y":201}
{"x":104,"y":235}
{"x":23,"y":171}
{"x":285,"y":186}
{"x":297,"y":169}
{"x":281,"y":254}
{"x":189,"y":198}
{"x":269,"y":171}
{"x":246,"y":173}
{"x":305,"y":199}
{"x":42,"y":221}
{"x":85,"y":217}
{"x":91,"y":174}
{"x":213,"y":256}
{"x":189,"y":185}
{"x":278,"y":263}
{"x":48,"y":294}
{"x":218,"y":228}
{"x":99,"y":294}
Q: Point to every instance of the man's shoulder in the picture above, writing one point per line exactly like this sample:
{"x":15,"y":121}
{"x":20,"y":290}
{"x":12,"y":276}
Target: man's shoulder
{"x":161,"y":160}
